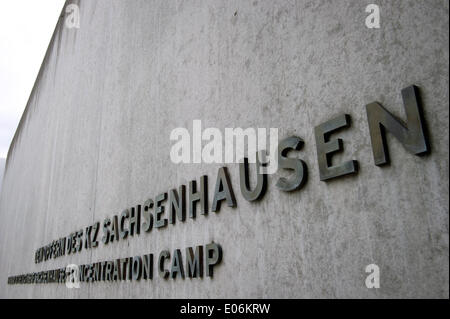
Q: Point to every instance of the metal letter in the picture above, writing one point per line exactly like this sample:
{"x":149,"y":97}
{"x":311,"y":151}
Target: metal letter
{"x":87,"y":237}
{"x":244,"y":180}
{"x":148,"y":217}
{"x":177,"y":265}
{"x":114,"y":229}
{"x":163,"y":273}
{"x":295,"y":164}
{"x":116,"y":270}
{"x":94,"y":240}
{"x":160,"y":210}
{"x":326,"y":148}
{"x":223,"y":190}
{"x":201,"y":195}
{"x":137,"y":268}
{"x":123,"y":232}
{"x":213,"y":257}
{"x":411,"y":134}
{"x":147,"y":269}
{"x":135,"y":220}
{"x":194,"y":262}
{"x":177,"y":205}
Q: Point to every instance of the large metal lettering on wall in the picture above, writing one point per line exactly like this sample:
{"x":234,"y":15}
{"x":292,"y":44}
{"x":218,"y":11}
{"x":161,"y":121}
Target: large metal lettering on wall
{"x":174,"y":203}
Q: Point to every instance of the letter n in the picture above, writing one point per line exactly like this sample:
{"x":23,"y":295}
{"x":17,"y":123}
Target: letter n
{"x":411,"y":134}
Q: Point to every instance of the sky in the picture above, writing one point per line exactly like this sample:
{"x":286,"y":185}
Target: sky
{"x":26,"y":27}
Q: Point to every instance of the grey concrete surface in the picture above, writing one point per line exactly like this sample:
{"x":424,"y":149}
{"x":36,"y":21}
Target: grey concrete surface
{"x":2,"y":170}
{"x":94,"y":140}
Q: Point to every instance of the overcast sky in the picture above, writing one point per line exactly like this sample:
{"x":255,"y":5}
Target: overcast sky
{"x":26,"y":27}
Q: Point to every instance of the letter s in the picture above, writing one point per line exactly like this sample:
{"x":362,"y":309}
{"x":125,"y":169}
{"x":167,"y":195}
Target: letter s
{"x":299,"y":167}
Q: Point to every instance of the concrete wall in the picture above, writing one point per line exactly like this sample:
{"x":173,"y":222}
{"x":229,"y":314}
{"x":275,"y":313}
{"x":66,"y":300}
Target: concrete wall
{"x":94,"y":140}
{"x":2,"y":170}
